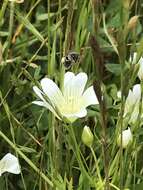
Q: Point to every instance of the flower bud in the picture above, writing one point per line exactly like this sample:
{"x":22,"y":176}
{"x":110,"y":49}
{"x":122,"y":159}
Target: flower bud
{"x":87,"y":136}
{"x":133,"y":22}
{"x":126,"y":138}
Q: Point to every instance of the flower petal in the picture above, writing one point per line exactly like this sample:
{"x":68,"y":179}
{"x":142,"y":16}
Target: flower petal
{"x":132,"y":102}
{"x":80,"y":82}
{"x":133,"y":58}
{"x":9,"y":163}
{"x":74,"y":85}
{"x":89,"y":97}
{"x":38,"y":92}
{"x":48,"y":106}
{"x":137,"y":91}
{"x":82,"y":113}
{"x":74,"y":116}
{"x":134,"y":95}
{"x":140,"y":72}
{"x":68,"y":77}
{"x":53,"y":92}
{"x":134,"y":114}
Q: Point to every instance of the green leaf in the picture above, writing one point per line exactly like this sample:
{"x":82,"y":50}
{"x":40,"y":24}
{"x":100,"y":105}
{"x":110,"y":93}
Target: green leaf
{"x":114,"y":68}
{"x":29,"y":26}
{"x":27,"y":149}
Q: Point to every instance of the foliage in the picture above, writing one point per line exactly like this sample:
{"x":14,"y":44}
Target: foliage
{"x":34,"y":36}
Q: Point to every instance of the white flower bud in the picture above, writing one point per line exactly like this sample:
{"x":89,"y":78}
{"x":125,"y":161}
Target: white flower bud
{"x":126,"y":138}
{"x":87,"y":136}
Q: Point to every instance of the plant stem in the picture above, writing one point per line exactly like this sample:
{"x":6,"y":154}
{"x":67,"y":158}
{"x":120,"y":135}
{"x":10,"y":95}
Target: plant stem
{"x":77,"y":152}
{"x":124,"y":14}
{"x":11,"y":24}
{"x":105,"y":145}
{"x":67,"y":41}
{"x":97,"y":166}
{"x":2,"y":11}
{"x":49,"y":40}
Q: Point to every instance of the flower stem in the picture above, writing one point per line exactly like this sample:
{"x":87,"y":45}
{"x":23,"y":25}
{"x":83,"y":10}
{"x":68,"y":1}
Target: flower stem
{"x":11,"y":24}
{"x":97,"y":166}
{"x":77,"y":152}
{"x":105,"y":145}
{"x":49,"y":40}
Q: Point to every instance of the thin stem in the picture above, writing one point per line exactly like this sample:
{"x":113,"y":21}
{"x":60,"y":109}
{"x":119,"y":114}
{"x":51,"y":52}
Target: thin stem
{"x":67,"y":44}
{"x":105,"y":146}
{"x":11,"y":24}
{"x":112,"y":185}
{"x":97,"y":166}
{"x":77,"y":152}
{"x":124,"y":14}
{"x":121,"y":129}
{"x":49,"y":40}
{"x":2,"y":11}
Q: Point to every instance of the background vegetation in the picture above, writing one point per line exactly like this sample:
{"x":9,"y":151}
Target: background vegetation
{"x":34,"y":36}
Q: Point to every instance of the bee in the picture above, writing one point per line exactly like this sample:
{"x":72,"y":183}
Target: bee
{"x":70,"y":59}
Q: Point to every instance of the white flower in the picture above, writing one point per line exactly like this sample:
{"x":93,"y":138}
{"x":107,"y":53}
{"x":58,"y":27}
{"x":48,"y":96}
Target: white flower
{"x":9,"y":163}
{"x":87,"y":136}
{"x":132,"y":103}
{"x":140,"y":63}
{"x":71,"y":103}
{"x":126,"y":138}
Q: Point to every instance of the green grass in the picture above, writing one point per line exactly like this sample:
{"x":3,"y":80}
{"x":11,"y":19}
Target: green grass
{"x":34,"y":36}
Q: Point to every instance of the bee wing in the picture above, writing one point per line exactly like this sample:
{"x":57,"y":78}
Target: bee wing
{"x":9,"y":163}
{"x":74,"y":56}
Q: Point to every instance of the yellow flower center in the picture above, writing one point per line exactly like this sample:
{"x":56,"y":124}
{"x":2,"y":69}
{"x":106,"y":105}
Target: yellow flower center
{"x":71,"y":105}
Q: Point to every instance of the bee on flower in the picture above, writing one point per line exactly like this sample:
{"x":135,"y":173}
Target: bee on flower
{"x":71,"y":103}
